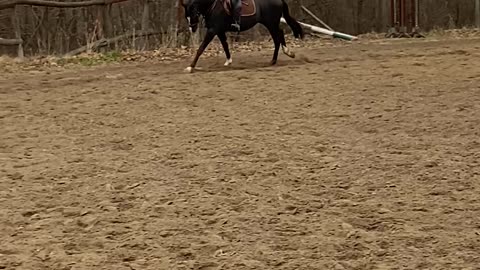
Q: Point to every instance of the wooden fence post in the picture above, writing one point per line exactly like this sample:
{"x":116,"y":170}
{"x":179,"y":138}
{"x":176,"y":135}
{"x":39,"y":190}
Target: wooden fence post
{"x":145,"y":24}
{"x":477,"y":13}
{"x":99,"y":24}
{"x":18,"y":33}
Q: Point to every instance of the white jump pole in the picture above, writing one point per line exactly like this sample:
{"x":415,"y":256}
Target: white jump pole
{"x":325,"y":31}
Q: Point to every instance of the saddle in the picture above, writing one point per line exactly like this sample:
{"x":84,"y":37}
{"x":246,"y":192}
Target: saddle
{"x":248,"y":7}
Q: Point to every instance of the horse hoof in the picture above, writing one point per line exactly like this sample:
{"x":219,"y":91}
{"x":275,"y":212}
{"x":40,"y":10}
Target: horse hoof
{"x":189,"y":70}
{"x":228,"y":62}
{"x":288,"y":52}
{"x":273,"y":62}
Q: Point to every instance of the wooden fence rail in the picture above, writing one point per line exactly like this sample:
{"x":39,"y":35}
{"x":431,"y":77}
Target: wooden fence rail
{"x":10,"y":42}
{"x":13,"y":4}
{"x":42,"y":3}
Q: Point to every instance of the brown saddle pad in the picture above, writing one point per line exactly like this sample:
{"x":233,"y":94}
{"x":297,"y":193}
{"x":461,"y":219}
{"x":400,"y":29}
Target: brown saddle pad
{"x":248,"y":7}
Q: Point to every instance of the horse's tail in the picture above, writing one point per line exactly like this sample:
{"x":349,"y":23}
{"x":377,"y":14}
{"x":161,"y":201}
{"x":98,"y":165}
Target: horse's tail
{"x":296,"y":27}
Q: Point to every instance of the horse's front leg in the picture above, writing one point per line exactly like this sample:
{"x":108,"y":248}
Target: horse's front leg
{"x":223,"y":40}
{"x":206,"y":40}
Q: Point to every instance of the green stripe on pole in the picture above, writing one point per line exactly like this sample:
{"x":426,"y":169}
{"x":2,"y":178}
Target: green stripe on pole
{"x":343,"y":36}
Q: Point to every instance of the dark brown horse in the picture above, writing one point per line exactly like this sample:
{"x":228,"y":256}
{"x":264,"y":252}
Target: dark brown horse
{"x":218,"y":21}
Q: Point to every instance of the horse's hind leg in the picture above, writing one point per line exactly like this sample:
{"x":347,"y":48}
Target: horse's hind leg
{"x":274,"y":32}
{"x":223,"y":40}
{"x":285,"y":49}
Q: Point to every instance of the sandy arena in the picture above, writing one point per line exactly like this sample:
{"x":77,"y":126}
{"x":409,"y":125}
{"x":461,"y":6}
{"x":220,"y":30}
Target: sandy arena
{"x":359,"y":156}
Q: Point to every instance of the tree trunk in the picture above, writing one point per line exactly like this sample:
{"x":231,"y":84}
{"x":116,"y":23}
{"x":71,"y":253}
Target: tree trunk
{"x":17,"y":29}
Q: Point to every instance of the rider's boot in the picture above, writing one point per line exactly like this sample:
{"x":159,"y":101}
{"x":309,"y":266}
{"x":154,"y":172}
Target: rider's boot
{"x":237,"y":8}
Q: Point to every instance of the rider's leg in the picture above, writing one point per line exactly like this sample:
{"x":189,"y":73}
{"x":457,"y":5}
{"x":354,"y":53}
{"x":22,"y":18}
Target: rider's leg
{"x":237,"y":9}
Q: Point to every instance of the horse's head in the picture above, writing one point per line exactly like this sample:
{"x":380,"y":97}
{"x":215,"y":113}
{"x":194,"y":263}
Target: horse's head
{"x":192,"y":14}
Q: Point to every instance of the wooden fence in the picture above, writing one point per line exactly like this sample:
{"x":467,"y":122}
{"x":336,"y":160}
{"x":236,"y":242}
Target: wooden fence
{"x":103,"y":21}
{"x":62,"y":27}
{"x":16,"y":27}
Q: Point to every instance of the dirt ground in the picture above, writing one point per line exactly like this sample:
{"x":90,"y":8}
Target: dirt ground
{"x":356,"y":156}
